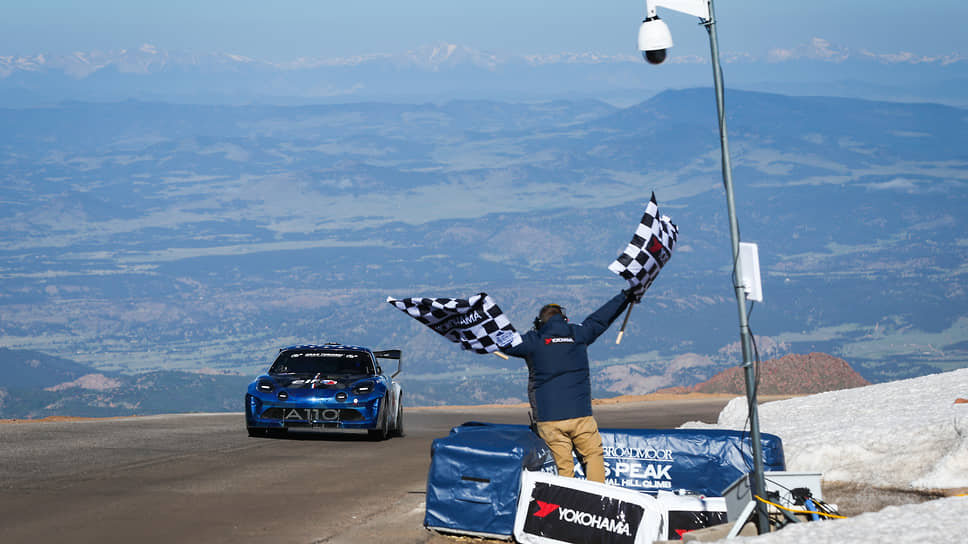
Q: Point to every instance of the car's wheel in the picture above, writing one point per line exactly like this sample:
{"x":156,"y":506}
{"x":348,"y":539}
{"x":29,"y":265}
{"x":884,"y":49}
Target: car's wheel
{"x":398,"y":429}
{"x":382,"y":431}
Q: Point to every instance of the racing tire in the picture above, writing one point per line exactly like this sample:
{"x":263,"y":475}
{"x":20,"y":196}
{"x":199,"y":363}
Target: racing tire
{"x":398,"y":428}
{"x":382,"y":430}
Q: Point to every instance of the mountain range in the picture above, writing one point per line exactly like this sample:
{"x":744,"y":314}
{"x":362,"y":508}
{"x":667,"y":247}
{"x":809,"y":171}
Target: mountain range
{"x":37,"y":385}
{"x":444,"y":71}
{"x":148,"y":59}
{"x":146,"y":237}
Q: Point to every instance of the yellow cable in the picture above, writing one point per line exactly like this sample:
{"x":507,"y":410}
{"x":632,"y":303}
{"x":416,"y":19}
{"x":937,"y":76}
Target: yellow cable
{"x":799,"y":511}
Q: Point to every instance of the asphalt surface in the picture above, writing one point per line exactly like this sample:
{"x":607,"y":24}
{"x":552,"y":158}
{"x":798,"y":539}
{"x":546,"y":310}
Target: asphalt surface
{"x":201,"y":478}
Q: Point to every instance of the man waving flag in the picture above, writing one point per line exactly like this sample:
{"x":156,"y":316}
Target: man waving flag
{"x":650,"y":249}
{"x":476,"y":323}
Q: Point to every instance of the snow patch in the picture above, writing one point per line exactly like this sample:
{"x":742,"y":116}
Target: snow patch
{"x":908,"y":433}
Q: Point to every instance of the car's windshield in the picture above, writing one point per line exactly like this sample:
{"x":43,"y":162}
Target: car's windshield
{"x":327,"y":362}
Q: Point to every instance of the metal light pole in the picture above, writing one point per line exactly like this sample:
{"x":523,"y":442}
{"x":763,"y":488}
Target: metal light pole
{"x":656,"y":43}
{"x":759,"y":485}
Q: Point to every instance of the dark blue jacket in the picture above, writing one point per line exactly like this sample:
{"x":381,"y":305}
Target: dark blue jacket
{"x":557,"y":355}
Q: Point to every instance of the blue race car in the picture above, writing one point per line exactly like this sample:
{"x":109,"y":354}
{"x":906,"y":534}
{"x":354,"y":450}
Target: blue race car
{"x":329,"y":386}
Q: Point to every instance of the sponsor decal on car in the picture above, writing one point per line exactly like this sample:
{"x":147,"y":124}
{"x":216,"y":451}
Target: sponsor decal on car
{"x":311,"y":414}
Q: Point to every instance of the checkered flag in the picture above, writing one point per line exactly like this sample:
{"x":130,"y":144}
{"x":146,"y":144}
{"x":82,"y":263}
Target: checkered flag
{"x":476,"y":323}
{"x":650,"y":249}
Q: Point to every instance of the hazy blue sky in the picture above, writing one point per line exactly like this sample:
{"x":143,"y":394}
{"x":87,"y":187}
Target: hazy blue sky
{"x":283,"y":30}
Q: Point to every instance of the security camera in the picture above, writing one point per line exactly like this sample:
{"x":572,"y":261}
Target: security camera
{"x":654,"y":39}
{"x":654,"y":57}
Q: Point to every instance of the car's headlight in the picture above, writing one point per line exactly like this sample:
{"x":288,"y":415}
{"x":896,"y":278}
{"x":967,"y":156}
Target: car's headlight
{"x":265,"y":386}
{"x":363,"y":388}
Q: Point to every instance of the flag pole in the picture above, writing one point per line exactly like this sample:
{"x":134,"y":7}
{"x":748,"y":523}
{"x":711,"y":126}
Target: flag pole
{"x":501,"y":355}
{"x":621,"y":331}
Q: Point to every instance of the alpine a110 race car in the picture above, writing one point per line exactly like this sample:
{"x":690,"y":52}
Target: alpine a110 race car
{"x":329,"y":386}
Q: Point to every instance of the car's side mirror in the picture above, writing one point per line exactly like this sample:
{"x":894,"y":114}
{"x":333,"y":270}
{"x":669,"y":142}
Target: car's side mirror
{"x":379,"y":370}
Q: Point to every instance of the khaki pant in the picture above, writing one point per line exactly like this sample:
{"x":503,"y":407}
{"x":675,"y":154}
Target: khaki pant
{"x":580,"y":433}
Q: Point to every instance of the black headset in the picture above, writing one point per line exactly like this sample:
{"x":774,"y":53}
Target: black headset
{"x":537,"y":320}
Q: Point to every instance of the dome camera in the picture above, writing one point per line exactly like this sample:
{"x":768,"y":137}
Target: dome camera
{"x":654,"y":57}
{"x":654,"y":39}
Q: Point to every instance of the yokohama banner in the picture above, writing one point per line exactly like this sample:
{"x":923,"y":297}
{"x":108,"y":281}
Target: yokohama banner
{"x":555,"y":509}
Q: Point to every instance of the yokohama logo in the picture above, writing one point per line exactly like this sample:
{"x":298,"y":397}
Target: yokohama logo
{"x":563,"y":340}
{"x":544,"y":508}
{"x":586,"y":519}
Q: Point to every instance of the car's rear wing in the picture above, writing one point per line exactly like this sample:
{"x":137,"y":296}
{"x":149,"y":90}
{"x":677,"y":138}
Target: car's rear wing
{"x":390,"y":354}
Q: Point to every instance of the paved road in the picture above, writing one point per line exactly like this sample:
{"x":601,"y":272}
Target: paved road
{"x":200,"y":478}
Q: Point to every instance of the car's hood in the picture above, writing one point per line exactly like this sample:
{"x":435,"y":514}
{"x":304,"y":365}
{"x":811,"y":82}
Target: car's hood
{"x":317,"y":381}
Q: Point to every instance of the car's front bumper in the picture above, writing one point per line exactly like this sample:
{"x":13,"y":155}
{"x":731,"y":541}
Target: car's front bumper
{"x":313,"y":413}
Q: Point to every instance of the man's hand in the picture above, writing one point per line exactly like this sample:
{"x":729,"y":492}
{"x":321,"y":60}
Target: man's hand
{"x":634,"y":295}
{"x":506,"y":339}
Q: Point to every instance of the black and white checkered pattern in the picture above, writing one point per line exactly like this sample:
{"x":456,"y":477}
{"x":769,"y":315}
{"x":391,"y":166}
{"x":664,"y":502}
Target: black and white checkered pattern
{"x":650,"y":249}
{"x":476,"y":323}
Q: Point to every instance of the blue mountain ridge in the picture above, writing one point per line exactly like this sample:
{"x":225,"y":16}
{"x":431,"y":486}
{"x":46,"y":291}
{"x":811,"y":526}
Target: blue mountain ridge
{"x":143,"y":237}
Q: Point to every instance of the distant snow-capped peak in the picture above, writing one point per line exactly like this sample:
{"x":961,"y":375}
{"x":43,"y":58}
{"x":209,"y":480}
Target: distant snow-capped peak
{"x":822,"y":50}
{"x":148,"y":59}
